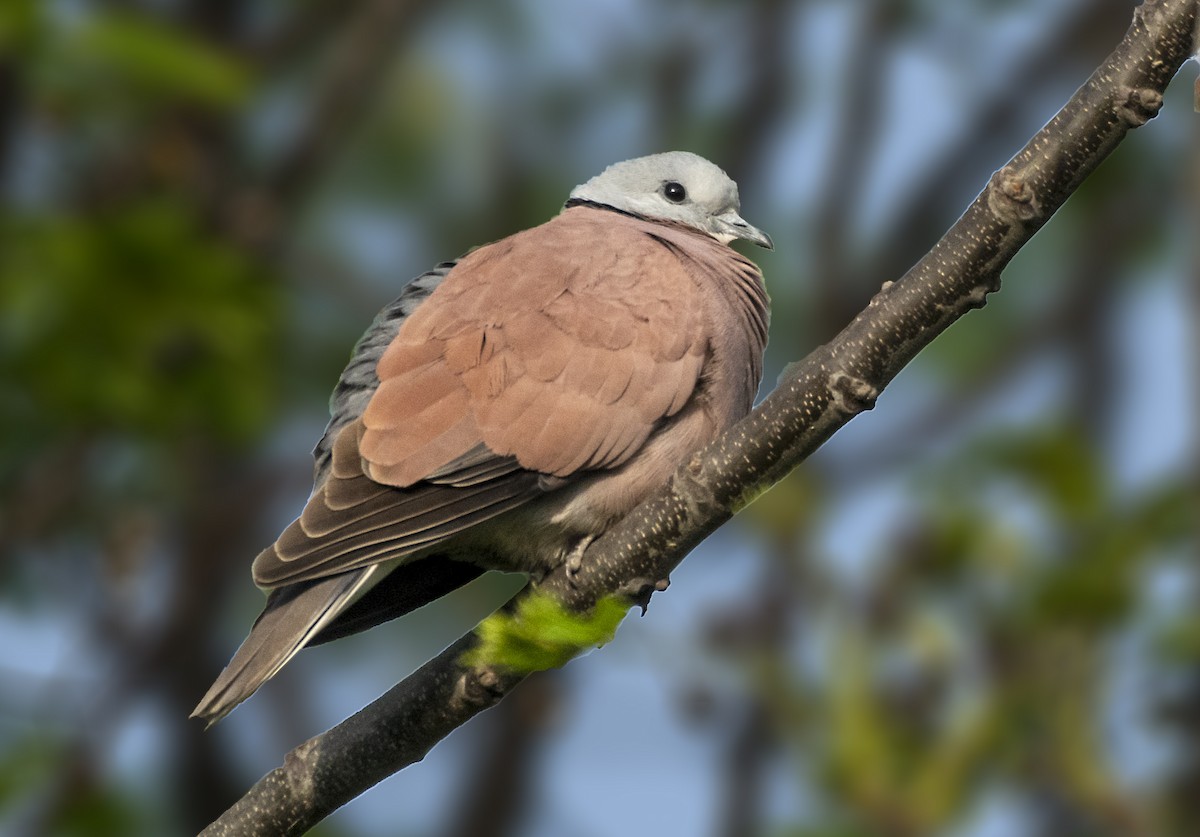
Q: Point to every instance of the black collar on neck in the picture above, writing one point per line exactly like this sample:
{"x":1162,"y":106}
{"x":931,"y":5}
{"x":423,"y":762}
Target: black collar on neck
{"x":573,"y":202}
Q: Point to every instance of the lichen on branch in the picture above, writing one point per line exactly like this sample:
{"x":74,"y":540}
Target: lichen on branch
{"x":540,"y":633}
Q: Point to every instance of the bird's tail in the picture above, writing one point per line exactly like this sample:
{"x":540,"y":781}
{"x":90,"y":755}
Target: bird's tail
{"x":292,"y":617}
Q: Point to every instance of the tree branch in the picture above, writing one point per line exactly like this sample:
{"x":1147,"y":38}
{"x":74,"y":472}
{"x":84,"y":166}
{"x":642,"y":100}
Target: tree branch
{"x":815,"y":397}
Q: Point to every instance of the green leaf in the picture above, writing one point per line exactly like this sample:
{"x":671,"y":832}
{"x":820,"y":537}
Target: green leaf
{"x":139,"y":321}
{"x":117,"y":63}
{"x":541,"y":633}
{"x":20,"y":24}
{"x":155,"y":57}
{"x":1057,"y":462}
{"x":1179,"y":641}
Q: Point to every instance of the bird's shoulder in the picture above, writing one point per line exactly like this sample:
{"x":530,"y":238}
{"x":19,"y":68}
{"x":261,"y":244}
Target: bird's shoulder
{"x":562,"y":346}
{"x":358,"y":380}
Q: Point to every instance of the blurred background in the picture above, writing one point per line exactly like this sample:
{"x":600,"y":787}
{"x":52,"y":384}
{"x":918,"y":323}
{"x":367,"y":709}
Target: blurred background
{"x":975,"y":612}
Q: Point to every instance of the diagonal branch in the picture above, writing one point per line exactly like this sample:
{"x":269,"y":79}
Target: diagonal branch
{"x":815,"y":397}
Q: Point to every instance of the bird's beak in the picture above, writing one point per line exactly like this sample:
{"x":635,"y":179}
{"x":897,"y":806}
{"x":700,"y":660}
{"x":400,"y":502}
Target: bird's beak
{"x":730,"y":225}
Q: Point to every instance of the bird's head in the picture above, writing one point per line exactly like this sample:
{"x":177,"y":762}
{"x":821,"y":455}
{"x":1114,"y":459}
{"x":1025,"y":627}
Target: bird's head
{"x":674,"y":186}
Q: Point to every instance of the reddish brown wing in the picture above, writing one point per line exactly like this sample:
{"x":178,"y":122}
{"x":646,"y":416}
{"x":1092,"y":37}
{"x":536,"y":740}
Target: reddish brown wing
{"x":552,"y":352}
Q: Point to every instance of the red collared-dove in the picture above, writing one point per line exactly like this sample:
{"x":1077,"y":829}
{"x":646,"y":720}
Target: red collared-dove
{"x":512,"y":405}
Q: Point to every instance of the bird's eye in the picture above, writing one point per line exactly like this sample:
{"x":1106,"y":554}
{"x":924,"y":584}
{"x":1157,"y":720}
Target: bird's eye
{"x":674,"y":192}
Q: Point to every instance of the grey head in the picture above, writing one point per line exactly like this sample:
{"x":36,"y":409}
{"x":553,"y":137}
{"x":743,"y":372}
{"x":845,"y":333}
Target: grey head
{"x":674,"y":186}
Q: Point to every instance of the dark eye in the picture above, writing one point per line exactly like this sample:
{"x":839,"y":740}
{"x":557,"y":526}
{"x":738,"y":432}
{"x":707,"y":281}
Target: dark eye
{"x":674,"y":191}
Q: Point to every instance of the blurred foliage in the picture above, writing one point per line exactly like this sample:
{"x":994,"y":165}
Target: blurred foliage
{"x":116,"y":63}
{"x":136,"y":321}
{"x":976,"y":656}
{"x":963,"y":614}
{"x":137,"y":61}
{"x":34,"y":767}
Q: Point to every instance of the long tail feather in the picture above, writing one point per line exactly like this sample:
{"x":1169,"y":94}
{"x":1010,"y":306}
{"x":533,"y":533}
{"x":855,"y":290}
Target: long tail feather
{"x":292,"y":617}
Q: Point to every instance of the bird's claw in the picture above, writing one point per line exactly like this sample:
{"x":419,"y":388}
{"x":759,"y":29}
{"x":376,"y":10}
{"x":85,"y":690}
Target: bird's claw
{"x":639,"y":590}
{"x":574,"y":562}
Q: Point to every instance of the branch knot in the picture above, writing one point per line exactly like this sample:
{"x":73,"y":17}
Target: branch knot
{"x":477,"y":687}
{"x":1137,"y":106}
{"x":851,"y":395}
{"x":1012,"y":199}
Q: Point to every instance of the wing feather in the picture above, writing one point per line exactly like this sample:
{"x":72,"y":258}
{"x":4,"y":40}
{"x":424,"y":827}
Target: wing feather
{"x":555,"y":352}
{"x":380,"y":531}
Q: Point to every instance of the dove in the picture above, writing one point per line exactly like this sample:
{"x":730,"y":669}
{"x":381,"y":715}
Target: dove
{"x":510,"y":406}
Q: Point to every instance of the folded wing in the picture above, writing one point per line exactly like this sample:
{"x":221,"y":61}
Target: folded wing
{"x":552,"y":353}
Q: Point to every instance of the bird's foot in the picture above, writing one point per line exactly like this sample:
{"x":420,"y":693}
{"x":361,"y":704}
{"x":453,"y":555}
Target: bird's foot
{"x":574,"y":562}
{"x":639,"y":590}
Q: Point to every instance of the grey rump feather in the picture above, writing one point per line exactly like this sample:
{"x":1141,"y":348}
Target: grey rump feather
{"x":281,"y":628}
{"x":511,"y":405}
{"x":358,"y":381}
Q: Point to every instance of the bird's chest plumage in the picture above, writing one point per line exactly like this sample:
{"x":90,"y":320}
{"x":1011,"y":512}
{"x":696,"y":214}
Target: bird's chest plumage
{"x":729,"y":321}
